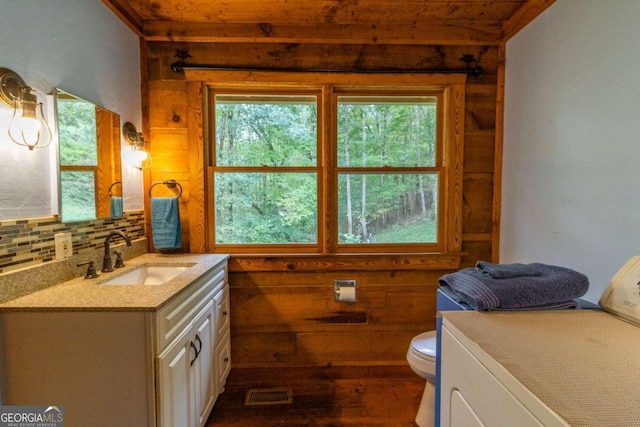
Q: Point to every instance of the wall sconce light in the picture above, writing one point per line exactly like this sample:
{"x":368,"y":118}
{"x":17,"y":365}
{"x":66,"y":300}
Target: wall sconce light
{"x":139,"y":157}
{"x":27,"y":126}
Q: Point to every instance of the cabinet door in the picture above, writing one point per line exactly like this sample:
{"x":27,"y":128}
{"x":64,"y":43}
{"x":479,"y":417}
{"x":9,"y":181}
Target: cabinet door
{"x":205,"y":383}
{"x":223,"y":362}
{"x":223,"y":345}
{"x":175,"y":382}
{"x":222,"y":311}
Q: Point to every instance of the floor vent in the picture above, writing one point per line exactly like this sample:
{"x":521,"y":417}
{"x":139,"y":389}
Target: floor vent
{"x":269,"y":396}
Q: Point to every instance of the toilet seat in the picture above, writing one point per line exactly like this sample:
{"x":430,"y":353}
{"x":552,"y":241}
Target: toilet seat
{"x":425,"y":344}
{"x":422,"y":355}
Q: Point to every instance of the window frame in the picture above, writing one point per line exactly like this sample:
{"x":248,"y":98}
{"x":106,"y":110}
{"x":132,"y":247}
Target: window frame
{"x":450,"y":90}
{"x":309,"y":248}
{"x":438,"y":168}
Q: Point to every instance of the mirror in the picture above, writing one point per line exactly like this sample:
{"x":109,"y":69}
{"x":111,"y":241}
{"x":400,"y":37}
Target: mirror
{"x":88,"y":159}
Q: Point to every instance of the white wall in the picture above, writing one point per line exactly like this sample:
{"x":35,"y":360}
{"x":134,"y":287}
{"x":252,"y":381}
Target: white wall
{"x":81,"y":47}
{"x":571,"y":181}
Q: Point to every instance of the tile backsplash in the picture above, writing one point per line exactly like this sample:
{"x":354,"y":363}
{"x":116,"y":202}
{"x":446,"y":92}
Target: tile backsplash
{"x":30,"y":242}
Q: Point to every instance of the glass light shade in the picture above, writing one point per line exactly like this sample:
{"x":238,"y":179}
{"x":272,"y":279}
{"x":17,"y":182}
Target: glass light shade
{"x":139,"y":158}
{"x":28,"y":126}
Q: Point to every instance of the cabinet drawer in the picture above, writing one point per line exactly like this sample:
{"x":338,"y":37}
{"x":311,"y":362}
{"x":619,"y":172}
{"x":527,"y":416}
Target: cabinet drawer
{"x":177,"y":314}
{"x":223,"y":361}
{"x":222,"y":310}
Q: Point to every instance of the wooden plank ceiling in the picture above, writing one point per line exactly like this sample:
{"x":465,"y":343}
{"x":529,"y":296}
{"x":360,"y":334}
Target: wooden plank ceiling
{"x":416,"y":22}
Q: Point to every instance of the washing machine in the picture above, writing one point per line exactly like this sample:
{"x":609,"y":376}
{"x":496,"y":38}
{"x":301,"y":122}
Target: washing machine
{"x":444,"y":302}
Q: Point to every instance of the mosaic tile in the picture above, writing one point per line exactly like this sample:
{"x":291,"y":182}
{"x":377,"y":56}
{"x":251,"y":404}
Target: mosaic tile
{"x":31,"y":242}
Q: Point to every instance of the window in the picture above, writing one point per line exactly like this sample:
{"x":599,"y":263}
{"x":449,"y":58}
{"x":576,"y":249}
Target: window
{"x":266,"y":176}
{"x":335,"y":169}
{"x":388,"y":169}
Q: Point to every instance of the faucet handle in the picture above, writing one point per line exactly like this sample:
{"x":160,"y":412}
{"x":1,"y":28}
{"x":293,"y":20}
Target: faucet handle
{"x":119,"y":261}
{"x":91,"y":270}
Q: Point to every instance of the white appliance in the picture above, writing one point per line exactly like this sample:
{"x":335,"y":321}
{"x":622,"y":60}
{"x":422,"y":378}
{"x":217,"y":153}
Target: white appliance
{"x":622,"y":296}
{"x":547,"y":368}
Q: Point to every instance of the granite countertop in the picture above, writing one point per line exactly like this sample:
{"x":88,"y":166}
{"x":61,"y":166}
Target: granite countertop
{"x":82,"y":294}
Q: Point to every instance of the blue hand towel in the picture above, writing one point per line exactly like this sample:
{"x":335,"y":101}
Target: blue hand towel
{"x":116,"y":207}
{"x":165,"y":223}
{"x":549,"y":287}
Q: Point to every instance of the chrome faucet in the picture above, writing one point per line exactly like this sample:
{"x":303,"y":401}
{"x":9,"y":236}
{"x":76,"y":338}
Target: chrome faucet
{"x":106,"y":261}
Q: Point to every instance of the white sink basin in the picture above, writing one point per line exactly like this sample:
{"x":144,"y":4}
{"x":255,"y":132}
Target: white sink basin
{"x":148,"y":275}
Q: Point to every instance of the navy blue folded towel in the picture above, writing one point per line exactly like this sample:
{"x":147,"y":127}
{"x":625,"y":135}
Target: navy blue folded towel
{"x":165,"y":223}
{"x":534,"y":286}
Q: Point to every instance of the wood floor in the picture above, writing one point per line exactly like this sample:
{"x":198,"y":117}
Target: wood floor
{"x":345,"y":396}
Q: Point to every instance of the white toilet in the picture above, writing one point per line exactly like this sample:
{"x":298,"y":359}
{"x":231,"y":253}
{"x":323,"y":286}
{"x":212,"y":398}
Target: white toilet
{"x":422,"y":360}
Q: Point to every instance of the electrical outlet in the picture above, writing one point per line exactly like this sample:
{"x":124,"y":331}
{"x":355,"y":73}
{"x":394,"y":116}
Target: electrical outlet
{"x":63,"y":245}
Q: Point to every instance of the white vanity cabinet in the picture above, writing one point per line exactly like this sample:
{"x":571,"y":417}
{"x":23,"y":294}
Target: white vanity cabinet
{"x":159,"y":362}
{"x":186,"y":380}
{"x":187,"y":372}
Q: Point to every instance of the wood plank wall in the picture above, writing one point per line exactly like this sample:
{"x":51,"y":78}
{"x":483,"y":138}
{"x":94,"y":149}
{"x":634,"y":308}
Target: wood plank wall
{"x":284,"y":317}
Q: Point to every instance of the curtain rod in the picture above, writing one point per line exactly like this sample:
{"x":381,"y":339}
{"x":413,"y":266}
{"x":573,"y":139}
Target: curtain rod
{"x":183,"y":54}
